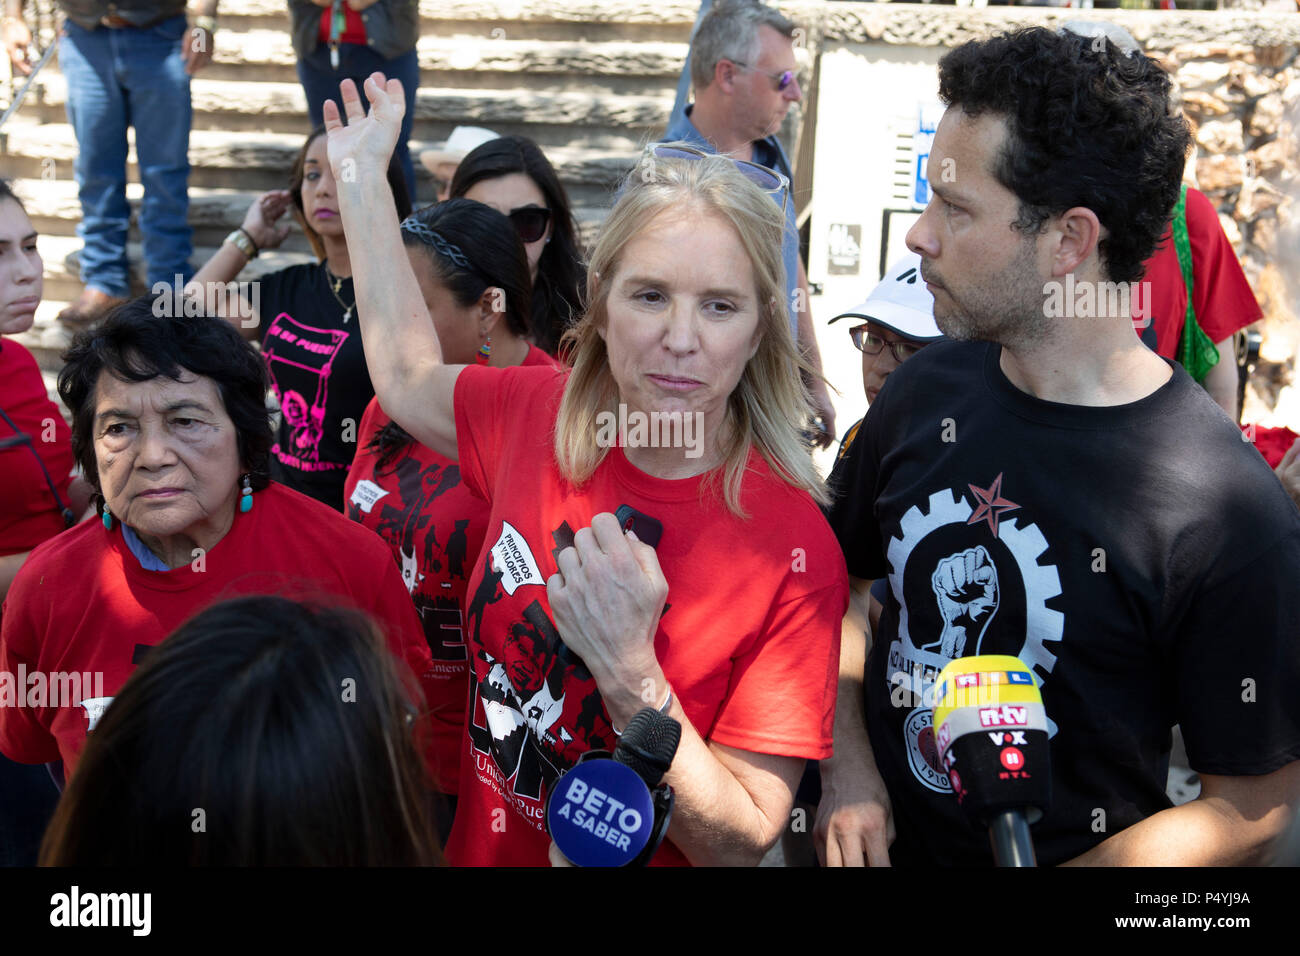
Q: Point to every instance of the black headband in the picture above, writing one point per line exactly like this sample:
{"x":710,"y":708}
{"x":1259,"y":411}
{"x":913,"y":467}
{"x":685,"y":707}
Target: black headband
{"x":414,"y":227}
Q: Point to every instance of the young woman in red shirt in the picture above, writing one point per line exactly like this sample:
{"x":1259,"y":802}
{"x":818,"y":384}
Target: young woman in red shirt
{"x":473,"y":277}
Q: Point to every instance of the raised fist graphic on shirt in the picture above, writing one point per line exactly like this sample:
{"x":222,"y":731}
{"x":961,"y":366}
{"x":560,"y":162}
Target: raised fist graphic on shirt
{"x":966,"y":588}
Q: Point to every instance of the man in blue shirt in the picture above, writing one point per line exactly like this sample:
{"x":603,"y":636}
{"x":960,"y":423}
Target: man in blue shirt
{"x":743,"y":70}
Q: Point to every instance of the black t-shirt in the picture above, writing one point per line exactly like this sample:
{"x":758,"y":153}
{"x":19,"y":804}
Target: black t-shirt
{"x":1141,"y":559}
{"x":318,"y":373}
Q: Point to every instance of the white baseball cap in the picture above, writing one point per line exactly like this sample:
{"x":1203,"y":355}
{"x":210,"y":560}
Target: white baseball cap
{"x":900,"y":303}
{"x":462,"y":141}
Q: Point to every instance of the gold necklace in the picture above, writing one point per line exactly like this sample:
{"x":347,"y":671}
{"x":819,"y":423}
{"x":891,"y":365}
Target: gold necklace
{"x":335,"y":284}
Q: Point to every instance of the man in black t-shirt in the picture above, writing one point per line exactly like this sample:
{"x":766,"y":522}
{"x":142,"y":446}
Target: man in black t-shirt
{"x":1046,"y":487}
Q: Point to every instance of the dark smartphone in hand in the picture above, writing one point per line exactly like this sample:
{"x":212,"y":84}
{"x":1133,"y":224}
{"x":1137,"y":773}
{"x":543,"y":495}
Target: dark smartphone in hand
{"x":646,"y":528}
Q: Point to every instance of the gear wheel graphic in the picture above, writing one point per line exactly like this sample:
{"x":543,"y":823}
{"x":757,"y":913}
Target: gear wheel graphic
{"x":1043,"y":626}
{"x":1042,"y":583}
{"x":945,"y":509}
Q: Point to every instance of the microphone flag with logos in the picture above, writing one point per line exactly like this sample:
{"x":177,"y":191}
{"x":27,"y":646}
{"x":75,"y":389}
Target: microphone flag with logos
{"x":992,"y":735}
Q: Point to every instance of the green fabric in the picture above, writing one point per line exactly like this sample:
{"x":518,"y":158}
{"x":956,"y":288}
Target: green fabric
{"x":1196,"y":352}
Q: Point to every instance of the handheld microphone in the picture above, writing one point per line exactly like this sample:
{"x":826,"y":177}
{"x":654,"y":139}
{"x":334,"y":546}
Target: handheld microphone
{"x":615,"y":812}
{"x":991,"y":730}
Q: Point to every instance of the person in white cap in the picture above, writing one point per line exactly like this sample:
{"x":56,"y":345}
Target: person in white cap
{"x":443,"y":160}
{"x":894,"y":323}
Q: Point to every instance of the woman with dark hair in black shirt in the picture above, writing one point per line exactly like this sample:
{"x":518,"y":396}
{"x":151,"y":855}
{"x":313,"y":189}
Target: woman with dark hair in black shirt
{"x":304,"y":316}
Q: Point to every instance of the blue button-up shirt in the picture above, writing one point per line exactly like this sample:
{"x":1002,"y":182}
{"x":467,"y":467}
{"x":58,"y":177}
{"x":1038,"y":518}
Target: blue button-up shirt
{"x":767,"y":152}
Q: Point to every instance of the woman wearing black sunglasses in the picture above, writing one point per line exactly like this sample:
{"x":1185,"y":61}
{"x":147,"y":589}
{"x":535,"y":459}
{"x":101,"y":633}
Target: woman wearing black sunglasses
{"x":512,"y":175}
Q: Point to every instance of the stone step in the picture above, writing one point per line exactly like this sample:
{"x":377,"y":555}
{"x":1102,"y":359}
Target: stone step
{"x":456,"y":62}
{"x":55,"y":210}
{"x":593,"y":20}
{"x":262,"y":161}
{"x":249,"y":106}
{"x":62,"y":256}
{"x":46,"y":340}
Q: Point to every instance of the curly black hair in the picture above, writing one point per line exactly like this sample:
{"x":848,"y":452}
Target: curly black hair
{"x":1087,"y":125}
{"x":137,"y":344}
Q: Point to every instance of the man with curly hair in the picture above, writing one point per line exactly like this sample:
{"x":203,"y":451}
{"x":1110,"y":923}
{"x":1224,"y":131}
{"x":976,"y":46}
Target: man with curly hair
{"x":1045,"y":486}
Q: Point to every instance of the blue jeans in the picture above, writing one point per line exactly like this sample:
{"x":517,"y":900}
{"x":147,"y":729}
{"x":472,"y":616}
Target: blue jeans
{"x":320,"y":82}
{"x":117,"y":79}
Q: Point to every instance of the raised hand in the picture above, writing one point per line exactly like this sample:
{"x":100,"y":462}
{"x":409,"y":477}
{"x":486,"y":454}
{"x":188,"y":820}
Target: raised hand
{"x":364,"y":144}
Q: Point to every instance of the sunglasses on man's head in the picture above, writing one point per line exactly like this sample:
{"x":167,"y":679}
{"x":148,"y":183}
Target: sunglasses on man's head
{"x":530,"y":222}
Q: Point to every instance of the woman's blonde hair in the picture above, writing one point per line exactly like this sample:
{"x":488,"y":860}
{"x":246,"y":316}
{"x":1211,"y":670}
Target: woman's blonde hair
{"x":769,"y":404}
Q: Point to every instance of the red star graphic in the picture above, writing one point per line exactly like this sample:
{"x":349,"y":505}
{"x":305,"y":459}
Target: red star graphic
{"x":991,"y":504}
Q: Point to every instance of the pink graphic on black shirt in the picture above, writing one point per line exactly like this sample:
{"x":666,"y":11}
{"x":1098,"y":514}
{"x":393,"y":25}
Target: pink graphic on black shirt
{"x":300,"y":359}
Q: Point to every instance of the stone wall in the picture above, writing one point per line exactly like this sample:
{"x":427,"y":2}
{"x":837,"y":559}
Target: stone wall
{"x":1239,"y":74}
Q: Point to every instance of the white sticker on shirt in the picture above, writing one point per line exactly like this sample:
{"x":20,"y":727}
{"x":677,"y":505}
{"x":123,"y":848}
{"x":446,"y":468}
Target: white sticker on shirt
{"x":366,"y":493}
{"x":514,"y":559}
{"x":95,"y":707}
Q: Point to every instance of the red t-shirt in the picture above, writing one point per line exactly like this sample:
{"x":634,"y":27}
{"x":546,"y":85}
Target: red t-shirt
{"x":28,"y":511}
{"x":82,"y":604}
{"x":434,"y":527}
{"x":354,"y":28}
{"x":1223,"y":300}
{"x":749,"y":641}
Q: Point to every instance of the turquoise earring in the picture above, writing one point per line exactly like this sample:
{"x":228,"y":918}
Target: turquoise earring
{"x":246,"y":496}
{"x":107,"y":518}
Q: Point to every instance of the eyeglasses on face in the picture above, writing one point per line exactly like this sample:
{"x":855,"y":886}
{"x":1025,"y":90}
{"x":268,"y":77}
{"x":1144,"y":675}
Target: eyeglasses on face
{"x":782,"y":80}
{"x":768,"y":180}
{"x":530,"y":222}
{"x":864,"y":340}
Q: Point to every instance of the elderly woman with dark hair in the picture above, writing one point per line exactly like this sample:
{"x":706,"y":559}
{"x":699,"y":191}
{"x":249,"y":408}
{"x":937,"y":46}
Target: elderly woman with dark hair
{"x":170,"y":428}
